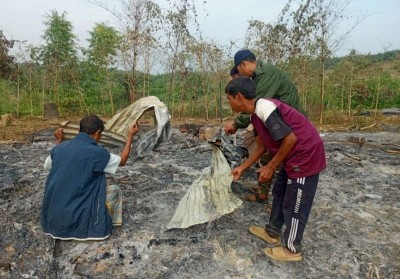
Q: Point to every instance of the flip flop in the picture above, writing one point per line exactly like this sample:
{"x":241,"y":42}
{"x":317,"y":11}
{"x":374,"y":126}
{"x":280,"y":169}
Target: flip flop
{"x":262,"y":233}
{"x":279,"y":254}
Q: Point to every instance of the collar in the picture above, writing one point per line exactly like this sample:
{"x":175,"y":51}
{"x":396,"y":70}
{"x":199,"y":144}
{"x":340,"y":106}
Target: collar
{"x":258,"y":69}
{"x":85,"y":137}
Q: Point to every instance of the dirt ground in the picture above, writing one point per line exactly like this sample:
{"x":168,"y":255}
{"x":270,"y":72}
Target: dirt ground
{"x":353,"y":231}
{"x":24,"y":128}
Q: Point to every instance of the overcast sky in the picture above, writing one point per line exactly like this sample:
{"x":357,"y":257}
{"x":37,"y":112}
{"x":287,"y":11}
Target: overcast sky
{"x":226,"y":20}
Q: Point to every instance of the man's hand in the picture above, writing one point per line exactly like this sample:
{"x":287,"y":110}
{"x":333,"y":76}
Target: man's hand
{"x":253,"y":157}
{"x":237,"y":173}
{"x":229,"y":128}
{"x":133,"y":130}
{"x":265,"y":173}
{"x":58,"y":134}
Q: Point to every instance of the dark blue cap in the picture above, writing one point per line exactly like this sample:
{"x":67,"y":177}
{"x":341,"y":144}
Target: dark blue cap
{"x":239,"y":57}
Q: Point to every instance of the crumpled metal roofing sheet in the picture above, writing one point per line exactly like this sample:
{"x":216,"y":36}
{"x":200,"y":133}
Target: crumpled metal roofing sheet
{"x":116,"y":129}
{"x":209,"y":197}
{"x":121,"y":122}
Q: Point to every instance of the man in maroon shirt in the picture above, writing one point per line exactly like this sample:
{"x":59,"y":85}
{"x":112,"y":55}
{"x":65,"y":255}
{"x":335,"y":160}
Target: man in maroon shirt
{"x":298,"y":151}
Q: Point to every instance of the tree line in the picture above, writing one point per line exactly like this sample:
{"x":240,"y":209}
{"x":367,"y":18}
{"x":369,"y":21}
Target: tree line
{"x":117,"y":67}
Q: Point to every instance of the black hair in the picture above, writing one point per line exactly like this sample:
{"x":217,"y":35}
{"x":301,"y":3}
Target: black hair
{"x":241,"y":84}
{"x":90,"y":124}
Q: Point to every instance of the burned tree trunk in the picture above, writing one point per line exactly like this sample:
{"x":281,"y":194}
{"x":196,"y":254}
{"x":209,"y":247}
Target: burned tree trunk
{"x":50,"y":111}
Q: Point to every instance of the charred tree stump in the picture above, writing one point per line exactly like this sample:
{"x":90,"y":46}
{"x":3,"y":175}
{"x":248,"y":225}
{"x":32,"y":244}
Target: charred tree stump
{"x":50,"y":111}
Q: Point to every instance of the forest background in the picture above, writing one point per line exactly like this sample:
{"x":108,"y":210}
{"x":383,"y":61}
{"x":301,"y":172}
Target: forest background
{"x":117,"y":66}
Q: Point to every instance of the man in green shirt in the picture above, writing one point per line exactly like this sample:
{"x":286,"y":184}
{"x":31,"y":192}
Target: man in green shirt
{"x":271,"y":82}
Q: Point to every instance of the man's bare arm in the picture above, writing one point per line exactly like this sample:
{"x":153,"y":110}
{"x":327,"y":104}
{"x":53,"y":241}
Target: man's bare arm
{"x":133,"y":130}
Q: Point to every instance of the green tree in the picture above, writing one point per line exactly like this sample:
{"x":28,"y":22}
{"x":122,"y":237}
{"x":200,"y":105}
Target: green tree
{"x":6,"y":59}
{"x":59,"y":56}
{"x":205,"y":85}
{"x":60,"y":44}
{"x":349,"y":78}
{"x":305,"y":30}
{"x":139,"y":21}
{"x":103,"y":45}
{"x":327,"y":15}
{"x":101,"y":54}
{"x":179,"y":19}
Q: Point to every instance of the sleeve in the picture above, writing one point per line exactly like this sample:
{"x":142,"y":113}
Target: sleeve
{"x":113,"y":164}
{"x":277,"y":128}
{"x":255,"y":134}
{"x":242,"y":120}
{"x":47,"y":163}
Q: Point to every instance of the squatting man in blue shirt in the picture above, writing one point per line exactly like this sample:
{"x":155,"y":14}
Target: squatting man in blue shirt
{"x":77,"y":203}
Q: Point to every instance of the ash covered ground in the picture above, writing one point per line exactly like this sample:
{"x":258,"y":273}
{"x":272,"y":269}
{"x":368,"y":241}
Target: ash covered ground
{"x":353,"y":230}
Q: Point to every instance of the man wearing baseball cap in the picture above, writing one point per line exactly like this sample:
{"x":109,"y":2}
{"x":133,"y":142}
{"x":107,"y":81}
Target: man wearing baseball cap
{"x":271,"y":82}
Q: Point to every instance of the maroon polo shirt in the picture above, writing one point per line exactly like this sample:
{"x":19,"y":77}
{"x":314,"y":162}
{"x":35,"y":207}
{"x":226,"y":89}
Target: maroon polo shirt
{"x":273,"y":120}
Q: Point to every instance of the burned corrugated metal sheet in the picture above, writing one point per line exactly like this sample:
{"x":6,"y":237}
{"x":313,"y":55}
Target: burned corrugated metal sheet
{"x":209,"y":197}
{"x":116,"y":129}
{"x":109,"y":139}
{"x":121,"y":122}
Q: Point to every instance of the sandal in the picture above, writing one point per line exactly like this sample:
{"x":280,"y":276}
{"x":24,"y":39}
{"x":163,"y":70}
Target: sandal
{"x":258,"y":197}
{"x":279,"y":254}
{"x":262,"y":233}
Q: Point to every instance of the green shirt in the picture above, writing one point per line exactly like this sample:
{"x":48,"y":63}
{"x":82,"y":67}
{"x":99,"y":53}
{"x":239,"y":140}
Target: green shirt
{"x":271,"y":82}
